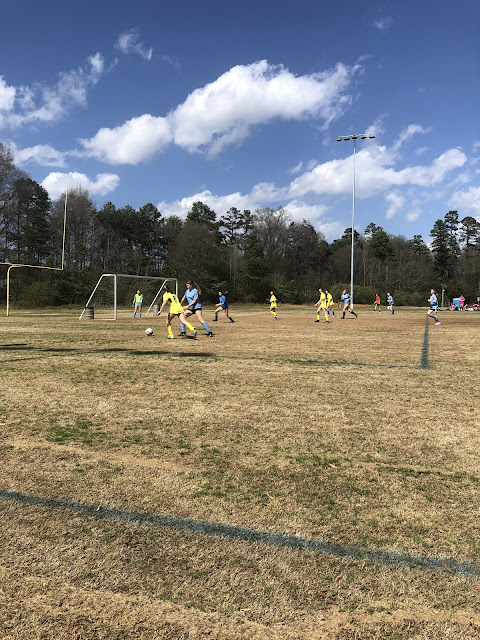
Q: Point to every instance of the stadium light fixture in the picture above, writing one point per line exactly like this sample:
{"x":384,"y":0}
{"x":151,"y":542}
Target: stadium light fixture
{"x":354,"y":137}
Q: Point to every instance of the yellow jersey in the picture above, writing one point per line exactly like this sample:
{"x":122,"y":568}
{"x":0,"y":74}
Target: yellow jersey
{"x":273,"y":301}
{"x":175,"y":306}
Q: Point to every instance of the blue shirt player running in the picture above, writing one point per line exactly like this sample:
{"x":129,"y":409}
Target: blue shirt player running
{"x":191,"y":296}
{"x":222,"y":304}
{"x":433,"y":311}
{"x":390,"y":303}
{"x":346,"y":299}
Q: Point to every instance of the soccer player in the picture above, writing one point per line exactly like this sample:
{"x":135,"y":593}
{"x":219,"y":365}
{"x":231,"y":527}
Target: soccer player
{"x":346,"y":300}
{"x":273,"y":305}
{"x":137,"y":304}
{"x":321,"y":305}
{"x":390,"y":303}
{"x":433,"y":311}
{"x":222,"y":304}
{"x":192,"y":295}
{"x":377,"y":303}
{"x":330,"y":303}
{"x":176,"y":309}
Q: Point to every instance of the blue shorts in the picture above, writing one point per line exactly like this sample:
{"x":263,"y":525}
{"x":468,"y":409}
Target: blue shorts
{"x":224,"y":306}
{"x":434,"y":307}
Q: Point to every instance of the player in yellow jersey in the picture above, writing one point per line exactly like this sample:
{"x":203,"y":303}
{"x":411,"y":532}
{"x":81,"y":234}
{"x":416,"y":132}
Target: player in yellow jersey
{"x":273,"y":305}
{"x":321,"y":305}
{"x":330,"y":303}
{"x":176,"y":309}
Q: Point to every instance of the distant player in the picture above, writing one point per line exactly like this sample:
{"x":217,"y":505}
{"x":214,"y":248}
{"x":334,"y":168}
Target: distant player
{"x":330,"y":303}
{"x":346,"y":299}
{"x":176,"y":309}
{"x":433,"y":311}
{"x":273,"y":305}
{"x":321,"y":305}
{"x":222,"y":304}
{"x":390,"y":303}
{"x":137,"y":304}
{"x":376,"y":305}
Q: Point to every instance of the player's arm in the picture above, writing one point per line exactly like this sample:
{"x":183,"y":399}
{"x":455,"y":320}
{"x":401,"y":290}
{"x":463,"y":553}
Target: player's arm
{"x":162,"y":307}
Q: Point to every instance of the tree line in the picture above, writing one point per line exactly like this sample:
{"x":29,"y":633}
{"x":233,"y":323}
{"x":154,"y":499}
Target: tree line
{"x":239,"y":251}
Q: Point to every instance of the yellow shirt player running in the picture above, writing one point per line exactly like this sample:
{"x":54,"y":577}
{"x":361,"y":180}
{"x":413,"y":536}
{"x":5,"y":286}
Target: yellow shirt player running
{"x":273,"y":305}
{"x":321,"y":305}
{"x":176,"y":309}
{"x":330,"y":303}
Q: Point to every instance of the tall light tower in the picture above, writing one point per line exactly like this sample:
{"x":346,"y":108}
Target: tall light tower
{"x":354,"y":137}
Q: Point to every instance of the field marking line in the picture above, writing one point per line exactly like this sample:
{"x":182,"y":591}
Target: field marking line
{"x":424,"y":359}
{"x":245,"y":534}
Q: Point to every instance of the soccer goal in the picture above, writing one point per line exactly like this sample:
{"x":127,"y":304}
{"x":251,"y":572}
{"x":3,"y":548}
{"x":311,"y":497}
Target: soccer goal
{"x":113,"y":294}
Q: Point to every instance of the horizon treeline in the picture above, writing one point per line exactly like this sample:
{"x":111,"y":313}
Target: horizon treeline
{"x":244,"y":253}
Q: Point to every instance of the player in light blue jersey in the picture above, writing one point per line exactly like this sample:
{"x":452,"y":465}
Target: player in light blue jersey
{"x":346,"y":299}
{"x":433,"y":311}
{"x":390,"y":303}
{"x":191,"y":296}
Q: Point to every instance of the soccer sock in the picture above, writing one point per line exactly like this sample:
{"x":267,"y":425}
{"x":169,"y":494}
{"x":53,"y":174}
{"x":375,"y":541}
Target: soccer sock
{"x":134,"y":315}
{"x":207,"y":328}
{"x":333,"y":313}
{"x":273,"y":312}
{"x":182,"y":327}
{"x":343,"y":316}
{"x":140,"y":315}
{"x":318,"y":316}
{"x":170,"y":331}
{"x":326,"y":316}
{"x":190,"y":326}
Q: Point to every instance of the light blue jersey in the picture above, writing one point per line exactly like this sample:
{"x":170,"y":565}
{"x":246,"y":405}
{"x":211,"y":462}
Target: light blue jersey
{"x":346,"y":297}
{"x":191,"y":295}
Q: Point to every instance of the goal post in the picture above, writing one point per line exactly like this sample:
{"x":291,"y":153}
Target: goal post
{"x":113,"y":293}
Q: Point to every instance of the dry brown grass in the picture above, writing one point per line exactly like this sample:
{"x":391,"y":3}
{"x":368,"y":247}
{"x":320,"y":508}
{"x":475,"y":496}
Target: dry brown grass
{"x":285,"y":426}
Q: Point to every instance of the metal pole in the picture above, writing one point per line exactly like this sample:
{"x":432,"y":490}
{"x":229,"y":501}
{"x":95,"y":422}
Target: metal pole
{"x":115,"y":296}
{"x":353,"y":228}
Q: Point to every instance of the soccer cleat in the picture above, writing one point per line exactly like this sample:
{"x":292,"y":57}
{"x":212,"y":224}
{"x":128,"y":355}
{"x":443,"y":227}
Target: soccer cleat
{"x":169,"y":337}
{"x":209,"y":334}
{"x":232,"y":320}
{"x":317,"y":320}
{"x":438,"y":322}
{"x":182,"y":334}
{"x":194,"y":333}
{"x":215,"y":319}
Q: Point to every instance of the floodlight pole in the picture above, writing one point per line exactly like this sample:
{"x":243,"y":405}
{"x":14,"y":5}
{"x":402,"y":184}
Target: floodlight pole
{"x":353,"y":137}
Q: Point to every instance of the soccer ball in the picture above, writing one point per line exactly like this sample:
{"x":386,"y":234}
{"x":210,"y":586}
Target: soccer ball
{"x":149,"y":331}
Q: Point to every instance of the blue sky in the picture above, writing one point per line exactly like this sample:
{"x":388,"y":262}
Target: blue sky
{"x":240,"y":104}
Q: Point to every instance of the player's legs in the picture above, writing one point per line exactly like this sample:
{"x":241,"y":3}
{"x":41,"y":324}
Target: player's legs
{"x":198,"y":313}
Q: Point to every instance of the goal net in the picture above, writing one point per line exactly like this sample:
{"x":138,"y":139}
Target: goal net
{"x":113,"y":295}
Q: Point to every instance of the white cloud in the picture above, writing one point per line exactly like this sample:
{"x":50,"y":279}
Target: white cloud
{"x":42,"y":154}
{"x":298,"y":167}
{"x":413,"y":214}
{"x":407,"y":133}
{"x":128,"y":42}
{"x":7,"y":96}
{"x":47,"y":104}
{"x":56,"y":183}
{"x":382,"y":24}
{"x":135,"y":141}
{"x":466,"y":200}
{"x":421,"y":150}
{"x":396,"y":203}
{"x":374,"y":173}
{"x":223,"y":112}
{"x":476,"y":145}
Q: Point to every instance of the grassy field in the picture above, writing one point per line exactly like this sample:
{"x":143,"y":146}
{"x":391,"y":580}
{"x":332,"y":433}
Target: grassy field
{"x":335,"y":469}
